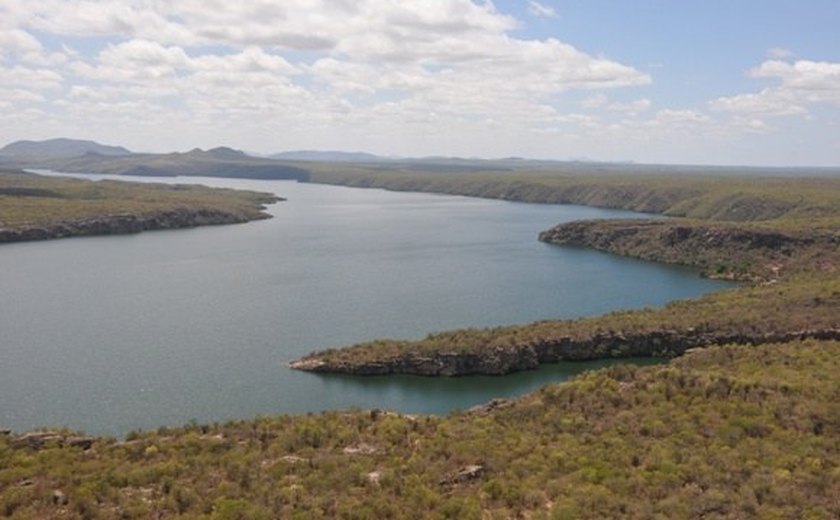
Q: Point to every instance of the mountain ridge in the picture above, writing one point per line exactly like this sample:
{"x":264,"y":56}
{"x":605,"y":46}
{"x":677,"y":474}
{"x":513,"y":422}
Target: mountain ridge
{"x":59,"y":148}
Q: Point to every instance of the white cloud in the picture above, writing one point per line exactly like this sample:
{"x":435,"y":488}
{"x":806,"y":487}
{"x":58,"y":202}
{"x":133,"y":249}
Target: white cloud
{"x":250,"y":59}
{"x":18,"y":42}
{"x":768,"y":102}
{"x":596,"y":101}
{"x":631,"y":108}
{"x":815,"y":81}
{"x":21,"y":46}
{"x":801,"y":83}
{"x":751,"y":125}
{"x":25,"y":78}
{"x":541,"y":10}
{"x":680,"y":117}
{"x":125,"y":18}
{"x":19,"y":95}
{"x":433,"y":76}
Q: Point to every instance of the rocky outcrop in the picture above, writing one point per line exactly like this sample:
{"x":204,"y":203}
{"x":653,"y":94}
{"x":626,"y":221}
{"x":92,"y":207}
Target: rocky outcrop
{"x":463,"y":475}
{"x":38,"y":440}
{"x":726,"y":250}
{"x":720,"y":250}
{"x":126,"y":224}
{"x":529,"y":356}
{"x":491,"y":406}
{"x":613,"y":233}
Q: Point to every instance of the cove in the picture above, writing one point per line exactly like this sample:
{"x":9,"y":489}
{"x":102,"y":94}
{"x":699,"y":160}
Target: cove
{"x":109,"y":334}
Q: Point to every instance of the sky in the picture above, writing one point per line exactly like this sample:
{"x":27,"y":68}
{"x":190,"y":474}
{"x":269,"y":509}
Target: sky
{"x":752,"y":82}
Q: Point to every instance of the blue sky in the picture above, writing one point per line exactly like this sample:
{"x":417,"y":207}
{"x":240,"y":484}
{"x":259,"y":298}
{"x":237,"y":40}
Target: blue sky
{"x":712,"y":82}
{"x":708,"y":45}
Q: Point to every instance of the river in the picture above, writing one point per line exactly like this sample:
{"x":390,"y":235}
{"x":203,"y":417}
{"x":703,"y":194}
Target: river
{"x":109,"y":334}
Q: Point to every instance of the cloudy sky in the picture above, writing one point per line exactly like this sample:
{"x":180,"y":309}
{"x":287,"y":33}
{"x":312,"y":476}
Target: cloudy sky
{"x":710,"y":82}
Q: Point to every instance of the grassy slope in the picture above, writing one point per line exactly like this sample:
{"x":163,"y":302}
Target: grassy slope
{"x":30,"y":201}
{"x":721,"y":432}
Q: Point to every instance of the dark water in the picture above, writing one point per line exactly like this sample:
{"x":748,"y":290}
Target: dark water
{"x":108,"y":334}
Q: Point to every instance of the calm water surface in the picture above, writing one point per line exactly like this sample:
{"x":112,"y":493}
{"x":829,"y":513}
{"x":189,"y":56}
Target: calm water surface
{"x":108,"y":334}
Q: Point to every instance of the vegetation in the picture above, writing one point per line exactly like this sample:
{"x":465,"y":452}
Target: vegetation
{"x":779,"y":234}
{"x":747,"y":428}
{"x":217,"y":162}
{"x":722,"y":432}
{"x":804,"y":307}
{"x":33,"y":206}
{"x":735,"y":251}
{"x":735,"y":196}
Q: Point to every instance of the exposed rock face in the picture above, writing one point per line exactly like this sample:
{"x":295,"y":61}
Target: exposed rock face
{"x":720,"y":250}
{"x":609,"y":234}
{"x":491,"y":406}
{"x":37,"y":440}
{"x":463,"y":475}
{"x":732,"y":251}
{"x":528,"y":356}
{"x":59,"y":498}
{"x":124,"y":224}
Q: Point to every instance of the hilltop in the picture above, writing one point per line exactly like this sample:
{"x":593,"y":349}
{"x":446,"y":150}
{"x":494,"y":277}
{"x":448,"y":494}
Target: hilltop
{"x":85,"y":157}
{"x":355,"y":168}
{"x":61,"y":148}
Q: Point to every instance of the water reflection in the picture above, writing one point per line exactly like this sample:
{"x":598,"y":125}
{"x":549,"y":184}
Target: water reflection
{"x":440,"y":395}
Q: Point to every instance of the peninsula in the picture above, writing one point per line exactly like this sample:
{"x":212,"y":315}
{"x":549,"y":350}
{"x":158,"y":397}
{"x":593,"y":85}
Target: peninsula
{"x":779,"y":236}
{"x":35,"y":207}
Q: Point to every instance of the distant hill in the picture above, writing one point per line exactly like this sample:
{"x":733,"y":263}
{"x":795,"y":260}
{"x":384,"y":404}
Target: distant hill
{"x":220,"y":152}
{"x":217,"y":162}
{"x":77,"y":156}
{"x":328,"y":156}
{"x":58,"y":149}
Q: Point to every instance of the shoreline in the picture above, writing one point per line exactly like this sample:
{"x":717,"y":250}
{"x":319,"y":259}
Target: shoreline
{"x":761,"y":239}
{"x":39,"y":207}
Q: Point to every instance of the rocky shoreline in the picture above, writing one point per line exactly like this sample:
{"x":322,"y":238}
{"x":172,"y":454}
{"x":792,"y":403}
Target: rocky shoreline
{"x":729,"y":251}
{"x":733,"y":251}
{"x":120,"y":224}
{"x":529,"y":356}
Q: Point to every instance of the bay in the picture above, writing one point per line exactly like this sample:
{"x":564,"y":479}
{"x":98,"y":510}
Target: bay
{"x":110,"y":334}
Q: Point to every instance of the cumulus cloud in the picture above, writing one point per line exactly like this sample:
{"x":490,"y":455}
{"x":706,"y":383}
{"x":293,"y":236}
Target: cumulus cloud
{"x":768,"y":102}
{"x":816,"y":81}
{"x":25,"y":78}
{"x":323,"y":66}
{"x":18,"y":41}
{"x":632,"y":107}
{"x":595,"y":101}
{"x":800,"y":84}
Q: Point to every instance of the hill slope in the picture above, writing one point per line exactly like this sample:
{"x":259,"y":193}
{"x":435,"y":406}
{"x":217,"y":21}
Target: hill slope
{"x":725,"y":432}
{"x":58,"y":149}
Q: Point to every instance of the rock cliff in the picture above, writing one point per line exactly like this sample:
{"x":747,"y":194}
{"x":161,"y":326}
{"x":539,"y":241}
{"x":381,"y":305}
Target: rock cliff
{"x":529,"y":356}
{"x":124,"y":224}
{"x":720,"y":250}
